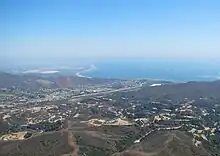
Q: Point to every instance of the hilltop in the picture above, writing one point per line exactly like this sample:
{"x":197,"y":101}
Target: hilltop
{"x":163,"y":143}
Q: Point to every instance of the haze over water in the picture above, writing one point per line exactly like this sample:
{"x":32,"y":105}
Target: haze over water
{"x":175,"y":70}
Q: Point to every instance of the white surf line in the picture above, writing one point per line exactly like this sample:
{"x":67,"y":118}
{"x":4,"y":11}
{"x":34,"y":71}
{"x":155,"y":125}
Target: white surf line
{"x":79,"y":74}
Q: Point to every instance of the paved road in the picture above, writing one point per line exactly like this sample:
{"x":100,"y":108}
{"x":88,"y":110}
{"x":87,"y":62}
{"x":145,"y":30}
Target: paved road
{"x":106,"y":92}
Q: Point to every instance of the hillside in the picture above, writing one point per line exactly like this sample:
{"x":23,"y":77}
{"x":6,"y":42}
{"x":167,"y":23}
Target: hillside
{"x":105,"y":142}
{"x":49,"y":144}
{"x":176,"y":92}
{"x":174,"y":143}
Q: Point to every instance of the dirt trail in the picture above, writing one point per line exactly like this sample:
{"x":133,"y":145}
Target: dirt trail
{"x":71,"y":141}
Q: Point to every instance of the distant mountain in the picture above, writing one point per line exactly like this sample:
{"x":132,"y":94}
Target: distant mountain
{"x":176,"y":92}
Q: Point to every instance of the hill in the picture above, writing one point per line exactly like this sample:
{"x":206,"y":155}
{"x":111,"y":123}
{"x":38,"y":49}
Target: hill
{"x":175,"y":92}
{"x":106,"y":141}
{"x":174,"y":143}
{"x":91,"y":141}
{"x":48,"y":144}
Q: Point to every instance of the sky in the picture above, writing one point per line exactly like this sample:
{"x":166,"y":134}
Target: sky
{"x":37,"y":30}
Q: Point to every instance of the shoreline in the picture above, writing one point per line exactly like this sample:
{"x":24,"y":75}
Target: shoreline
{"x":79,"y":74}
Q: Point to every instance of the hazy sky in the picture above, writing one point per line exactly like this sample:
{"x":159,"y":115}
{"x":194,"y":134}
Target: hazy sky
{"x":37,"y":29}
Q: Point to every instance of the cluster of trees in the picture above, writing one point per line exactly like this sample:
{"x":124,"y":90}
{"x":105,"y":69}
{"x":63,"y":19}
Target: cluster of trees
{"x":216,"y":142}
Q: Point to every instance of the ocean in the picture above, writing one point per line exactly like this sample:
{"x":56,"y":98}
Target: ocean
{"x":173,"y":70}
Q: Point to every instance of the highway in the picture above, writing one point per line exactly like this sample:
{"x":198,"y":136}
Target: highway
{"x":106,"y":92}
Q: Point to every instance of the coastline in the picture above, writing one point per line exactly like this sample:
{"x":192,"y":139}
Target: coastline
{"x":151,"y":71}
{"x":80,"y":74}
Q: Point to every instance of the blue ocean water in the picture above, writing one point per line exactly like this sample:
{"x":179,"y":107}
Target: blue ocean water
{"x":174,"y":70}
